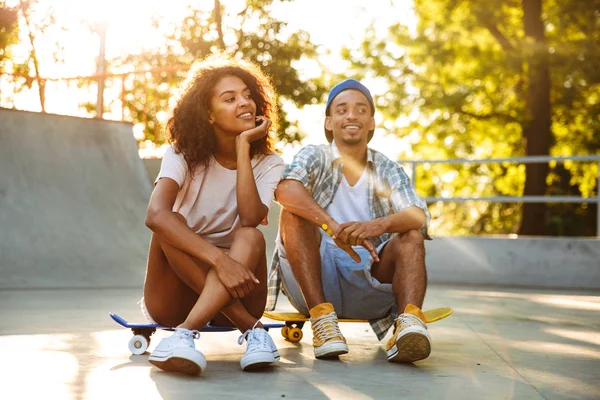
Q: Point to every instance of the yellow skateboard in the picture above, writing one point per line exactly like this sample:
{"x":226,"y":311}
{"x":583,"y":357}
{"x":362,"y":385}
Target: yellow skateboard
{"x":294,"y":321}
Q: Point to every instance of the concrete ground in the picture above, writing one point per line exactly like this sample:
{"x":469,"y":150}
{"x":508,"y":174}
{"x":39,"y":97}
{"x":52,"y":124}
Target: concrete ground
{"x":75,"y":207}
{"x":500,"y":343}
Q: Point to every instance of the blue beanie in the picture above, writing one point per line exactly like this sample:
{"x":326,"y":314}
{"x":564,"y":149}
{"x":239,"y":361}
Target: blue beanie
{"x":345,"y":85}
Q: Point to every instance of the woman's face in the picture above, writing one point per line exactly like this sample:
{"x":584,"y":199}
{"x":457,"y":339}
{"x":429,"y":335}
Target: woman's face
{"x":232,"y":109}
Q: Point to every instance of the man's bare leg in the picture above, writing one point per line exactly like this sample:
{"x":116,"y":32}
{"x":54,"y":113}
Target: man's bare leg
{"x":402,"y":263}
{"x":302,"y":241}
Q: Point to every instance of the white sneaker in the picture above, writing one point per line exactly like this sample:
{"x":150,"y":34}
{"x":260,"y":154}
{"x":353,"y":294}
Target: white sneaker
{"x":260,"y":351}
{"x":177,"y":353}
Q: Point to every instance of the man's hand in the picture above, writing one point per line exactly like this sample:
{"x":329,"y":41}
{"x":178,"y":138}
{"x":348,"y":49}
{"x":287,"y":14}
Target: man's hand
{"x":260,"y":131}
{"x":238,"y":280}
{"x":341,"y":240}
{"x":354,"y":233}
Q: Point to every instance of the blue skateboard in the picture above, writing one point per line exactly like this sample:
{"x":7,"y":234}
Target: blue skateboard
{"x":142,"y":332}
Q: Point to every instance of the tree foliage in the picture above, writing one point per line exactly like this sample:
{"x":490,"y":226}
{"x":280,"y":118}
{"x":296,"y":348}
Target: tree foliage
{"x":474,"y":71}
{"x":250,"y":33}
{"x":9,"y":29}
{"x":36,"y":20}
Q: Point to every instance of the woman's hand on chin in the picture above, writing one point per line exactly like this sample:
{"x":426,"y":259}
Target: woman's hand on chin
{"x":260,"y":131}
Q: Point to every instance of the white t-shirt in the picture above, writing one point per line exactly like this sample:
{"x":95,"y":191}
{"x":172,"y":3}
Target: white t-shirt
{"x":350,"y":203}
{"x":208,"y":199}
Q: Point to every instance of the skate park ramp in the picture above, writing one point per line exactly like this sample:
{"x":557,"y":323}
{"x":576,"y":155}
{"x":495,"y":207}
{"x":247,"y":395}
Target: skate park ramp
{"x":73,"y":198}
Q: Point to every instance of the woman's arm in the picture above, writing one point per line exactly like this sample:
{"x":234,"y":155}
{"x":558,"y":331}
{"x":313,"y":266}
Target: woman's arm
{"x":251,"y":208}
{"x":164,"y":222}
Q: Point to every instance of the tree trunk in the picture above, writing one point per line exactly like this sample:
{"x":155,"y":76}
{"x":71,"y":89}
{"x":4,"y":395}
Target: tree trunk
{"x":34,"y":58}
{"x":219,"y":23}
{"x":537,"y":128}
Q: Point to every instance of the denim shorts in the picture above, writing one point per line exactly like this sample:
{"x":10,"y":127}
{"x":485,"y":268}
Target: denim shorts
{"x":347,"y":285}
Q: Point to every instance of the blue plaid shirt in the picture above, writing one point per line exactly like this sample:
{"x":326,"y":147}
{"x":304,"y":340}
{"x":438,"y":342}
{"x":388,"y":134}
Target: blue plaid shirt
{"x":319,"y":168}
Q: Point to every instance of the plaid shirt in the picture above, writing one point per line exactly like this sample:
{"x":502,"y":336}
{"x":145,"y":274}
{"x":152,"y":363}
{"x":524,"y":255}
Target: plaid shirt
{"x":319,"y":168}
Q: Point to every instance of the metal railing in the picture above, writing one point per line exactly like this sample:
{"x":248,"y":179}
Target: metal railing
{"x":13,"y":84}
{"x":517,"y":199}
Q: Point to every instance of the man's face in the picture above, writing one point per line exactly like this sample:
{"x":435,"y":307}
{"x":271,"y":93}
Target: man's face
{"x":350,"y":118}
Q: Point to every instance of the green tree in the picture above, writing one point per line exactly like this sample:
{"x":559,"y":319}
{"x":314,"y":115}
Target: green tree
{"x":495,"y":78}
{"x":8,"y":30}
{"x":36,"y":19}
{"x":250,"y":33}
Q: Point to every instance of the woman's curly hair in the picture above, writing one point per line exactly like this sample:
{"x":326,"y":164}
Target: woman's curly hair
{"x":188,"y":128}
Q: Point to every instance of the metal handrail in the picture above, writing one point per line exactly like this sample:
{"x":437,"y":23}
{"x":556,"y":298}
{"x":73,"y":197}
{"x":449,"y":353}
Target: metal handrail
{"x":517,"y":199}
{"x":99,"y":79}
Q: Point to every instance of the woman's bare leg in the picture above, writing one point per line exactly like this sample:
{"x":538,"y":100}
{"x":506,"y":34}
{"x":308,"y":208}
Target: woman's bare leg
{"x":168,"y":298}
{"x":248,"y":248}
{"x":174,"y":279}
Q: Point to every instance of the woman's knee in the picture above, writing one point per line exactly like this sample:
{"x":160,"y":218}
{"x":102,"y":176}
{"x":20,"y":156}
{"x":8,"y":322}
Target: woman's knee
{"x":251,"y":236}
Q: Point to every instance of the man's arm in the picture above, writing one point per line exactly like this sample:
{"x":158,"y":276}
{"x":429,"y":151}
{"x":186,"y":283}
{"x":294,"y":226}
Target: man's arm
{"x":411,"y":218}
{"x":293,"y":197}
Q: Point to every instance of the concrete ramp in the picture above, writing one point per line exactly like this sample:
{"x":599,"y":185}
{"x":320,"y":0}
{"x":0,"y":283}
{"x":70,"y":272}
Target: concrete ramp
{"x":73,"y":197}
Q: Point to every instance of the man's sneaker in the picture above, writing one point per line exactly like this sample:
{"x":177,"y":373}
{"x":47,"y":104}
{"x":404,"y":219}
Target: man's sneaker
{"x":177,"y":353}
{"x":411,"y":341}
{"x":328,"y":341}
{"x":260,"y":350}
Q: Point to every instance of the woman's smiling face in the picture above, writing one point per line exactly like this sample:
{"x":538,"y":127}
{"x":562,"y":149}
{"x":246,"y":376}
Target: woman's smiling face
{"x":232,"y":108}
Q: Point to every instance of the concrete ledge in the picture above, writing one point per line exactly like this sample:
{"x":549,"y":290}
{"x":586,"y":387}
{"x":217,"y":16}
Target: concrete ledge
{"x":152,"y":166}
{"x":73,"y":199}
{"x":535,"y":261}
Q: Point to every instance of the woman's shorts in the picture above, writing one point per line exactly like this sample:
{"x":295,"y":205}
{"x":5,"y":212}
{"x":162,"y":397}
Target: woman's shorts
{"x":145,"y":312}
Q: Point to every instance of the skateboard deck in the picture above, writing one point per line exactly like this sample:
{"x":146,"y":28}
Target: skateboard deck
{"x":294,"y":321}
{"x":142,"y":332}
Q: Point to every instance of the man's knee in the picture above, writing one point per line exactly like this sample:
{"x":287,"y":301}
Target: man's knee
{"x":291,"y":224}
{"x":288,"y":219}
{"x":412,"y":237}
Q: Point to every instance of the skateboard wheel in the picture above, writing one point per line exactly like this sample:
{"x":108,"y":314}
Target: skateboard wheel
{"x":285,"y":331}
{"x":138,"y":344}
{"x":295,"y":335}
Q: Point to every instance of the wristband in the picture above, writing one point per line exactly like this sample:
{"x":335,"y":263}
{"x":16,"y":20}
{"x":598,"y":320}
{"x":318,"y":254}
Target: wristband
{"x":327,"y":229}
